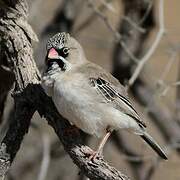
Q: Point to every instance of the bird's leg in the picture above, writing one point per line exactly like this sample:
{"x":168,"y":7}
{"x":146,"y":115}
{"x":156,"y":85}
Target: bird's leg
{"x":100,"y":147}
{"x":103,"y":142}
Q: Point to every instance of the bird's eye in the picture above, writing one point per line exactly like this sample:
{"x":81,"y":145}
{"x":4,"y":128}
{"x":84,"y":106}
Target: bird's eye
{"x":65,"y":50}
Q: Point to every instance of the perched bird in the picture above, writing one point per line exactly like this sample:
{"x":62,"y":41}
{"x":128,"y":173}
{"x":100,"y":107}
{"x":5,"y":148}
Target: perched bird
{"x":87,"y":95}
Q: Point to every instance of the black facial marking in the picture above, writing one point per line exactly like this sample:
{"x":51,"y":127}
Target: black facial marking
{"x":63,"y":52}
{"x":58,"y":42}
{"x":60,"y":63}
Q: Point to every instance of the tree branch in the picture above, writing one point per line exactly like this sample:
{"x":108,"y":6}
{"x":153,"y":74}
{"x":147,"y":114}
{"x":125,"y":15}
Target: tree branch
{"x":153,"y":47}
{"x":132,"y":38}
{"x":140,"y":13}
{"x":16,"y":36}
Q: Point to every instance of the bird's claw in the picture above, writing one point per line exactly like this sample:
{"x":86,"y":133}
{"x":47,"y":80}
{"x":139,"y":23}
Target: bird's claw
{"x":93,"y":156}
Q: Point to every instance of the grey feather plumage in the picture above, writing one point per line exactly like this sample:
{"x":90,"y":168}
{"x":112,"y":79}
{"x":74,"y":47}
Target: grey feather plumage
{"x":87,"y":95}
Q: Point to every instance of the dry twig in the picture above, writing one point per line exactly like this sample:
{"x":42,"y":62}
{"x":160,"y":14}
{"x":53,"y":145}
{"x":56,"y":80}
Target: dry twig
{"x":46,"y":157}
{"x":153,"y":47}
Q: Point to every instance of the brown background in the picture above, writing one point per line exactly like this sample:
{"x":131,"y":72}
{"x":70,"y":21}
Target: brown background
{"x":98,"y":44}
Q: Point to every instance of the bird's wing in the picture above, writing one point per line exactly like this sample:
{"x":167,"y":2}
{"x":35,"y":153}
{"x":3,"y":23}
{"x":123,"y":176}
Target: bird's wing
{"x":111,"y":91}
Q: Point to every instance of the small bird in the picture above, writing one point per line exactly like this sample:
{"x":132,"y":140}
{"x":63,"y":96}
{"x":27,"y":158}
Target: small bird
{"x":87,"y":95}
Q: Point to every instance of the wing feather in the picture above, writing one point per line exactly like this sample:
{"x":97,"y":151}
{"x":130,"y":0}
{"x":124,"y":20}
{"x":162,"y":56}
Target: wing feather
{"x":111,"y":94}
{"x":110,"y":89}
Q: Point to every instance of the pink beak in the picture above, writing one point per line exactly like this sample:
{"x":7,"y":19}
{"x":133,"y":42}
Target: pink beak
{"x":53,"y":54}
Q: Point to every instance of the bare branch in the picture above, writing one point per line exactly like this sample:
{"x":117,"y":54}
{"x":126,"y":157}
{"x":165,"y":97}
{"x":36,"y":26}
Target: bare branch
{"x":156,"y":161}
{"x":135,"y":26}
{"x":115,"y":33}
{"x":177,"y":115}
{"x":32,"y":159}
{"x":73,"y":145}
{"x":46,"y":157}
{"x":90,"y":19}
{"x":123,"y":67}
{"x":105,"y":19}
{"x":153,"y":47}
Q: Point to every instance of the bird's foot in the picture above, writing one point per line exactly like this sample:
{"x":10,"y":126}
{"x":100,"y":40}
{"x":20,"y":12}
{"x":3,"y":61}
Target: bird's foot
{"x":93,"y":155}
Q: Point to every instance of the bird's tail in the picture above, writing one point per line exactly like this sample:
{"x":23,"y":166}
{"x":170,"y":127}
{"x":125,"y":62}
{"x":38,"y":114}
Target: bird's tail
{"x":154,"y":145}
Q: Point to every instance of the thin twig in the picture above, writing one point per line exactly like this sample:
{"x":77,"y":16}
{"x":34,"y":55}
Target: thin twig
{"x":135,"y":26}
{"x":168,"y":66}
{"x":160,"y":83}
{"x":90,"y":19}
{"x":130,"y":54}
{"x":168,"y":86}
{"x":147,"y":12}
{"x":116,"y":34}
{"x":156,"y":161}
{"x":108,"y":5}
{"x":158,"y":38}
{"x":105,"y":19}
{"x":46,"y":157}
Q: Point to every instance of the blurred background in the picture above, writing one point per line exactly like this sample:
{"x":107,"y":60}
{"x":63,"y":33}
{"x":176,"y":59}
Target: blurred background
{"x":119,"y":35}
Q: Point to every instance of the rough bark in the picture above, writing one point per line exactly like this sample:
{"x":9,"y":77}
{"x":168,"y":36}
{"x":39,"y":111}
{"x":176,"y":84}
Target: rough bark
{"x":16,"y":37}
{"x":15,"y":41}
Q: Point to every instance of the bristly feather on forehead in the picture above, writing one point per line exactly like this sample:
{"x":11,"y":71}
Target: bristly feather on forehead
{"x":58,"y":41}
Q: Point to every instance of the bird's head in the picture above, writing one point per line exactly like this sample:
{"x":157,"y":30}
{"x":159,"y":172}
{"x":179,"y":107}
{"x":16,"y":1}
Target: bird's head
{"x":63,"y":52}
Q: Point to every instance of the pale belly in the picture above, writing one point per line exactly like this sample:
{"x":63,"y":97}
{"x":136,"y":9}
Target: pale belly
{"x":82,"y":108}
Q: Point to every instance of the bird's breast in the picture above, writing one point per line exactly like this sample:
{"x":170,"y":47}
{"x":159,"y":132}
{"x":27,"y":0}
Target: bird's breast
{"x":70,"y":95}
{"x":75,"y":100}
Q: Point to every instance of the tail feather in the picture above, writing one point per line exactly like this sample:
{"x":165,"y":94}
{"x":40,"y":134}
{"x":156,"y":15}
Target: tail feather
{"x":154,"y":145}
